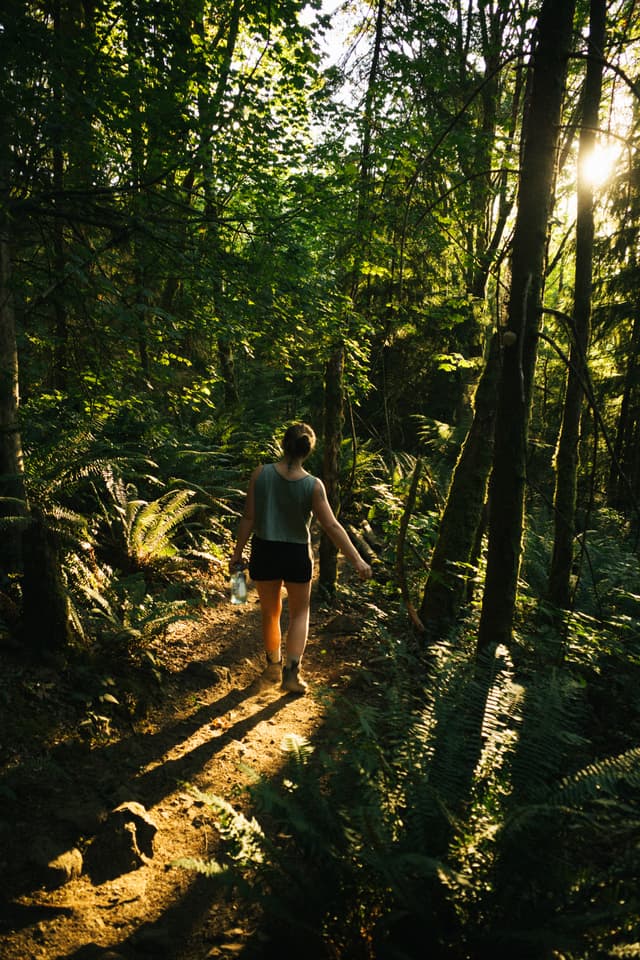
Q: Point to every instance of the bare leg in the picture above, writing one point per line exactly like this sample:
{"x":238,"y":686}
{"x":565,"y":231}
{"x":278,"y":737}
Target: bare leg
{"x":299,"y":595}
{"x":270,"y":594}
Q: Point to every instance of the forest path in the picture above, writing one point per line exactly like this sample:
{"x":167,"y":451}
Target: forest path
{"x":216,"y":726}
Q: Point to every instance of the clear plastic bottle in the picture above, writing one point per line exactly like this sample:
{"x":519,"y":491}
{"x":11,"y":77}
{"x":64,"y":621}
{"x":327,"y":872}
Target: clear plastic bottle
{"x":238,"y":586}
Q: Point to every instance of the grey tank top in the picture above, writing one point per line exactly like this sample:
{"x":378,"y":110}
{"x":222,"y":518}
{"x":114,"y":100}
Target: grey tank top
{"x":283,"y":507}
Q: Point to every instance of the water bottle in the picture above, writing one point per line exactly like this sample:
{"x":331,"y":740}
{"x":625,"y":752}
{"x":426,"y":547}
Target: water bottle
{"x":238,"y":585}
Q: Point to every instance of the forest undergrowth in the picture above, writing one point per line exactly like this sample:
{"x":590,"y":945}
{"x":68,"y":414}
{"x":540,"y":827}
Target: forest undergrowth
{"x":420,"y":798}
{"x":425,"y":799}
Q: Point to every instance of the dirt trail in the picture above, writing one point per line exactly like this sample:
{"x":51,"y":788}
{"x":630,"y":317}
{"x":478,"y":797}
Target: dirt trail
{"x":217,"y":725}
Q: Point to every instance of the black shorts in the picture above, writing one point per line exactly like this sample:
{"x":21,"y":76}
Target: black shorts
{"x":279,"y":560}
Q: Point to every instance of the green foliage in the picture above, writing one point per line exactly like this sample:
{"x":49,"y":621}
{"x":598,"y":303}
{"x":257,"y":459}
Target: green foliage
{"x":122,"y":614}
{"x":386,"y":497}
{"x":243,"y":838}
{"x":195,"y":222}
{"x":137,"y":534}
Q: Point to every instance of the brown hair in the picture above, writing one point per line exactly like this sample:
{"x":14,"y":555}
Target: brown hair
{"x":298,"y":441}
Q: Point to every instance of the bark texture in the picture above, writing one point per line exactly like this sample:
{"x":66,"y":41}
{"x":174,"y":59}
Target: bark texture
{"x":453,"y":553}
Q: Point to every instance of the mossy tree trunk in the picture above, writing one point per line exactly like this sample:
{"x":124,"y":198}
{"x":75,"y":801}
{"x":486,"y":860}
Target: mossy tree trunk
{"x":454,"y":551}
{"x":535,"y":194}
{"x":46,"y":624}
{"x":463,"y":522}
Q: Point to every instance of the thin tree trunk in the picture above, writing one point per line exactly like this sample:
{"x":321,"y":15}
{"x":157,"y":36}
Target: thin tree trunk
{"x":567,"y":456}
{"x":60,"y":332}
{"x":617,"y":489}
{"x":210,"y":110}
{"x":137,"y":141}
{"x":486,"y":256}
{"x":508,"y":478}
{"x":334,"y":370}
{"x":333,"y":418}
{"x":227,"y":371}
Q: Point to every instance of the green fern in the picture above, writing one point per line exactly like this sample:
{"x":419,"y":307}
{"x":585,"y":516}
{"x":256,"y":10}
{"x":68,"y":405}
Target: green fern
{"x":120,"y":612}
{"x":340,"y":854}
{"x":139,"y":534}
{"x":611,"y":777}
{"x":243,"y":836}
{"x":152,"y":526}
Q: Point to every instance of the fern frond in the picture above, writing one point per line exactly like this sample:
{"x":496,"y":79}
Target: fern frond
{"x":609,"y":777}
{"x":19,"y":505}
{"x":134,"y":528}
{"x":214,"y":498}
{"x":14,"y":523}
{"x":173,"y":509}
{"x":154,"y":523}
{"x":244,"y":836}
{"x":628,"y":951}
{"x":297,"y":747}
{"x":549,"y":737}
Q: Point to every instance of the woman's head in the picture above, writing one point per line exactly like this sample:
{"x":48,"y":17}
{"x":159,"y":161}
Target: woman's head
{"x":298,"y":441}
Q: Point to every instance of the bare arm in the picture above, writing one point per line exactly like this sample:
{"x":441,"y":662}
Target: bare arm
{"x":245,"y":527}
{"x":336,"y":532}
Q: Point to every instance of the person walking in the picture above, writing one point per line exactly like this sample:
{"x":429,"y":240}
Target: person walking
{"x":281,"y":501}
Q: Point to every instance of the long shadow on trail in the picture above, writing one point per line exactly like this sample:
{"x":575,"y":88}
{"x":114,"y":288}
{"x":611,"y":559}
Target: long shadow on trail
{"x":170,"y":936}
{"x":154,"y":784}
{"x":96,"y":781}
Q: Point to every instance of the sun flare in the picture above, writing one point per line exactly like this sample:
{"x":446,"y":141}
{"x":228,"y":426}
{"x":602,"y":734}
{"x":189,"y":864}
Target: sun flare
{"x":598,"y":167}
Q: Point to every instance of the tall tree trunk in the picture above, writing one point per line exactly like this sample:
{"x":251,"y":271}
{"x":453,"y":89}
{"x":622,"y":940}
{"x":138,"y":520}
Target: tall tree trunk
{"x":210,"y":109}
{"x":135,"y":82}
{"x":333,"y":418}
{"x":617,"y":489}
{"x":464,"y":518}
{"x":567,"y":456}
{"x":463,"y":514}
{"x":508,"y":478}
{"x":60,"y":331}
{"x":485,"y":256}
{"x":334,"y":369}
{"x":11,"y":457}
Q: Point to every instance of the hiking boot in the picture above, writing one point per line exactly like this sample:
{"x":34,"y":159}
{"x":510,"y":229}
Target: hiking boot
{"x":273,"y":671}
{"x":292,"y":682}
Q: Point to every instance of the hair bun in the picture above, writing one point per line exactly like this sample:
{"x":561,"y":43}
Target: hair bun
{"x":299,"y":440}
{"x":303,"y":445}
